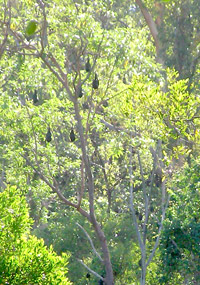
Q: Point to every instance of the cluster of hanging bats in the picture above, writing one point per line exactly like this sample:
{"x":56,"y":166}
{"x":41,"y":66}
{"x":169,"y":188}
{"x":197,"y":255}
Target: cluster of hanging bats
{"x":95,"y":85}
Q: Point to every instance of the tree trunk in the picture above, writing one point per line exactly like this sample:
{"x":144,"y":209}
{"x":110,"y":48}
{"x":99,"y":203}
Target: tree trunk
{"x":144,"y":267}
{"x":109,"y":279}
{"x":143,"y":277}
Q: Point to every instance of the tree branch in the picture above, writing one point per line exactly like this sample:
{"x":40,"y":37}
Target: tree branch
{"x":2,"y":46}
{"x":159,"y":232}
{"x":118,"y":129}
{"x":146,"y":200}
{"x":55,"y":189}
{"x":151,"y":24}
{"x":90,"y":270}
{"x":131,"y":201}
{"x":91,"y":242}
{"x":82,"y":184}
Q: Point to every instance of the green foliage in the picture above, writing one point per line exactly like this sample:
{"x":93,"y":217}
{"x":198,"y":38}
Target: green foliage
{"x":180,"y":248}
{"x":137,"y":104}
{"x":24,"y":258}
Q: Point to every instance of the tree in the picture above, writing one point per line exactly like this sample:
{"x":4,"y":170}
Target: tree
{"x":24,"y":258}
{"x":92,"y":144}
{"x":179,"y":243}
{"x":173,"y":26}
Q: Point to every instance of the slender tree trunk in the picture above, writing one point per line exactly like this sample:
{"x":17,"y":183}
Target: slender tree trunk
{"x":143,"y":276}
{"x":153,"y":28}
{"x":109,"y":279}
{"x":144,"y":267}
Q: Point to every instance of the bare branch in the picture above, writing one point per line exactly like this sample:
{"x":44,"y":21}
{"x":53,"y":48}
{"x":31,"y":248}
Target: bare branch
{"x":132,"y":203}
{"x":90,"y":270}
{"x":82,"y":184}
{"x":88,"y":117}
{"x":86,"y":160}
{"x":55,"y":189}
{"x":34,"y":136}
{"x":97,"y":227}
{"x":118,"y":129}
{"x":152,"y":27}
{"x":53,"y":70}
{"x":53,"y":59}
{"x":146,"y":199}
{"x":149,"y":20}
{"x":159,"y":233}
{"x":91,"y":242}
{"x":3,"y":45}
{"x":44,"y":38}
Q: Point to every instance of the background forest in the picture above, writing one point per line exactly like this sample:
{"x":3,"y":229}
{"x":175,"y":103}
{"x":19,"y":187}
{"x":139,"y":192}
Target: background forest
{"x":99,"y":142}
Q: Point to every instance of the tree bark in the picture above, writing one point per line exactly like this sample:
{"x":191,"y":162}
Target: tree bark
{"x":109,"y":279}
{"x":153,"y":29}
{"x":143,"y":276}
